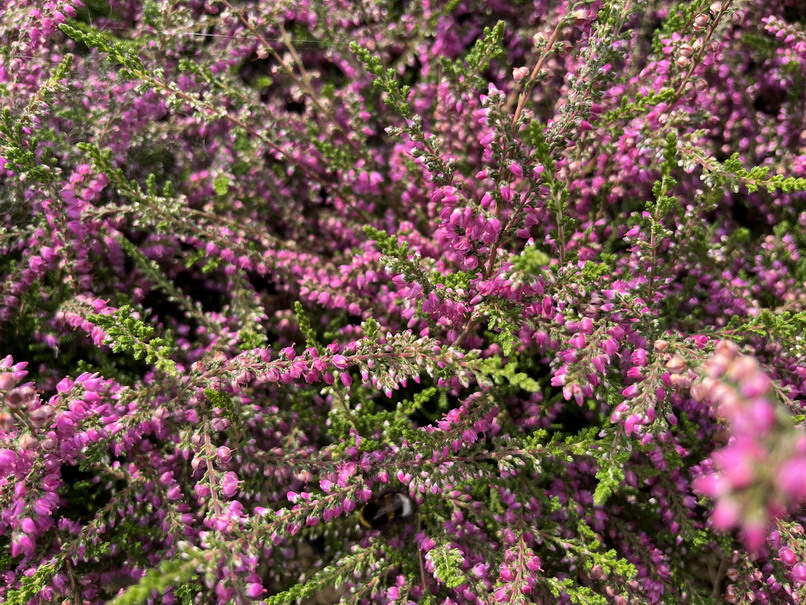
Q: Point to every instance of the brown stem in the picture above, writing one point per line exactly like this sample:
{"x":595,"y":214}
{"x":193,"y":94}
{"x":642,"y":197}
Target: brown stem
{"x":718,"y":580}
{"x":208,"y":456}
{"x":536,"y":71}
{"x":680,"y":89}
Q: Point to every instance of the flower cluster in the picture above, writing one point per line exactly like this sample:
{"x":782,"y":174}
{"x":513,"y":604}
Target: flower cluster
{"x":430,"y":302}
{"x":759,"y":473}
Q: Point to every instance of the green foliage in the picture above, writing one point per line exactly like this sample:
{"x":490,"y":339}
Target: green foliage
{"x":664,"y":203}
{"x":581,"y":595}
{"x":22,"y":151}
{"x":151,"y":208}
{"x":332,"y":575}
{"x":531,"y":261}
{"x":447,"y":565}
{"x":153,"y":272}
{"x":733,"y":174}
{"x":118,"y":51}
{"x":610,"y":475}
{"x":371,"y":329}
{"x":305,"y":327}
{"x":337,"y":155}
{"x":783,"y":326}
{"x":454,"y":280}
{"x":125,"y":332}
{"x":519,"y":380}
{"x":466,"y":73}
{"x":638,"y":105}
{"x":609,"y":560}
{"x":558,"y":189}
{"x":507,"y":374}
{"x":593,"y":271}
{"x":394,"y":424}
{"x":679,"y":19}
{"x":171,"y":572}
{"x":30,"y":586}
{"x":186,"y":593}
{"x":399,"y":259}
{"x":506,"y":324}
{"x":221,"y":185}
{"x":396,"y":97}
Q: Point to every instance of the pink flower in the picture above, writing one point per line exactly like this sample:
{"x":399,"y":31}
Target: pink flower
{"x":229,"y":484}
{"x":787,"y":556}
{"x":254,"y":590}
{"x":799,"y":573}
{"x":21,"y":545}
{"x":630,"y":391}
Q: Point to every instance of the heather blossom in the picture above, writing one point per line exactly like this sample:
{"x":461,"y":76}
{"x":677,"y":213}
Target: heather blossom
{"x":411,"y":302}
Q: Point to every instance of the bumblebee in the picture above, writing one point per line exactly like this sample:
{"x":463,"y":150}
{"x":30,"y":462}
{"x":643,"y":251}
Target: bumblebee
{"x":384,"y":509}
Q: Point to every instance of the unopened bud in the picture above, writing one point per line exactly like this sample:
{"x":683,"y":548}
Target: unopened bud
{"x":682,"y":381}
{"x":676,"y":364}
{"x":7,"y":381}
{"x":224,"y":454}
{"x":41,"y":415}
{"x":520,"y":73}
{"x":6,"y":421}
{"x":27,"y":442}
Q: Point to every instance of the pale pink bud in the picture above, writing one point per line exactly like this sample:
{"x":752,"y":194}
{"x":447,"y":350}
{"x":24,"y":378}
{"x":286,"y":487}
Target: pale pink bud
{"x":676,"y":364}
{"x":520,"y":73}
{"x":7,"y":381}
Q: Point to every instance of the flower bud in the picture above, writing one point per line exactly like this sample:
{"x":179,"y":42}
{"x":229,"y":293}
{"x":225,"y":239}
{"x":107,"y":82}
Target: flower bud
{"x":676,"y":364}
{"x":520,"y":73}
{"x":41,"y":415}
{"x":661,"y":346}
{"x":224,"y":454}
{"x":7,"y":381}
{"x":516,"y":169}
{"x":787,"y":556}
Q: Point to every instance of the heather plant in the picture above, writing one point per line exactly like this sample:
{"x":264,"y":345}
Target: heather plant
{"x":533,"y":271}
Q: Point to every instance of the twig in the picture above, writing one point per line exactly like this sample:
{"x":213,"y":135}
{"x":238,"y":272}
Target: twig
{"x":536,"y":71}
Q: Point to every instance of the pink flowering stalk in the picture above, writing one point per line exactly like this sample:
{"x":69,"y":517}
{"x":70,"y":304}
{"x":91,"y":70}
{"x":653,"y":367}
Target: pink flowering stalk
{"x":759,"y":474}
{"x":402,"y":302}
